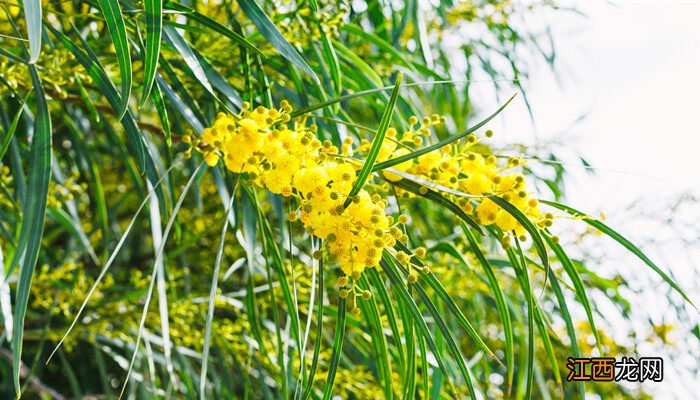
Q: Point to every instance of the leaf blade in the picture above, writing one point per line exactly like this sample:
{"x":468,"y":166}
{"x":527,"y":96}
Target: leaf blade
{"x":623,"y":241}
{"x":32,"y":13}
{"x":35,"y":207}
{"x":117,"y":30}
{"x":154,"y":33}
{"x":398,"y":160}
{"x":373,"y":153}
{"x":268,"y":29}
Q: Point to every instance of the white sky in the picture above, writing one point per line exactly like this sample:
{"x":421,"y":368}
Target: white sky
{"x":634,"y":69}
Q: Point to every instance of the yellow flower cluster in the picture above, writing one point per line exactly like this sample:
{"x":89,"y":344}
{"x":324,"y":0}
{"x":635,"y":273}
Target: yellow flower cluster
{"x":460,"y":167}
{"x":59,"y":193}
{"x":290,"y":160}
{"x":5,"y":181}
{"x":314,"y":25}
{"x":59,"y":71}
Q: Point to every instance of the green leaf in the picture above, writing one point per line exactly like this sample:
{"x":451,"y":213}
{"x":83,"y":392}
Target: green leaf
{"x":620,"y":239}
{"x":32,"y":13}
{"x":337,"y":349}
{"x":154,"y":32}
{"x":117,"y":30}
{"x":371,"y":310}
{"x":405,"y":298}
{"x":268,"y":29}
{"x":503,"y":312}
{"x":398,"y":160}
{"x":33,"y":212}
{"x":366,"y":169}
{"x":389,"y":313}
{"x":578,"y":285}
{"x":362,"y":93}
{"x":159,"y":103}
{"x":13,"y":127}
{"x":570,"y":329}
{"x":178,"y":42}
{"x":313,"y":4}
{"x":437,"y":287}
{"x":135,"y":141}
{"x":212,"y":302}
{"x":409,"y":391}
{"x":158,"y":257}
{"x":212,"y":25}
{"x":520,"y":268}
{"x":332,"y":60}
{"x":319,"y":335}
{"x":107,"y":264}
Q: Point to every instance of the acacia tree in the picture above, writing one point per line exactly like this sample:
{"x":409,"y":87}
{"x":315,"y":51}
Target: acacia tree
{"x":283,"y":200}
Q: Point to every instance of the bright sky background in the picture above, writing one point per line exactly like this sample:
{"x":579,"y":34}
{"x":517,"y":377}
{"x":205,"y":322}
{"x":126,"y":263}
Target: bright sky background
{"x":633,"y":69}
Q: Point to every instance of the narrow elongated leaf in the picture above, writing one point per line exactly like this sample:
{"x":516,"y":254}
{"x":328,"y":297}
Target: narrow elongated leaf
{"x":178,"y":42}
{"x":385,"y":46}
{"x":32,"y":14}
{"x":366,"y":169}
{"x":138,"y":147}
{"x":435,"y":284}
{"x":521,"y":271}
{"x":212,"y":25}
{"x":154,"y":32}
{"x":547,"y":344}
{"x":319,"y":336}
{"x":219,"y":83}
{"x":354,"y":61}
{"x":9,"y":134}
{"x":106,"y":88}
{"x":400,"y":289}
{"x":362,"y":93}
{"x":159,"y":104}
{"x":160,"y":267}
{"x":620,"y":239}
{"x":409,"y":391}
{"x":158,"y":256}
{"x":117,"y":30}
{"x":383,"y":296}
{"x":570,"y":330}
{"x":107,"y":264}
{"x":212,"y":303}
{"x":269,"y":31}
{"x":33,"y":214}
{"x":503,"y":312}
{"x":398,"y":160}
{"x":332,"y":60}
{"x":337,"y":349}
{"x":371,"y":310}
{"x":578,"y":285}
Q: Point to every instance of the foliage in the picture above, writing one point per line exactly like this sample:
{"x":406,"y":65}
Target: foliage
{"x":281,"y":199}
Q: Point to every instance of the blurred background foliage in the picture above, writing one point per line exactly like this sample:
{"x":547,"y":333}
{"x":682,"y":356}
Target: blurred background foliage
{"x":123,"y":83}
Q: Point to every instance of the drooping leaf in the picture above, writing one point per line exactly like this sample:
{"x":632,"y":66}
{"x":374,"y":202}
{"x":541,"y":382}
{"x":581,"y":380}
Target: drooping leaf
{"x":10,"y":133}
{"x":154,"y":32}
{"x":268,"y":29}
{"x":33,"y":15}
{"x":34,"y":212}
{"x":366,"y":169}
{"x":623,"y":241}
{"x":117,"y":30}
